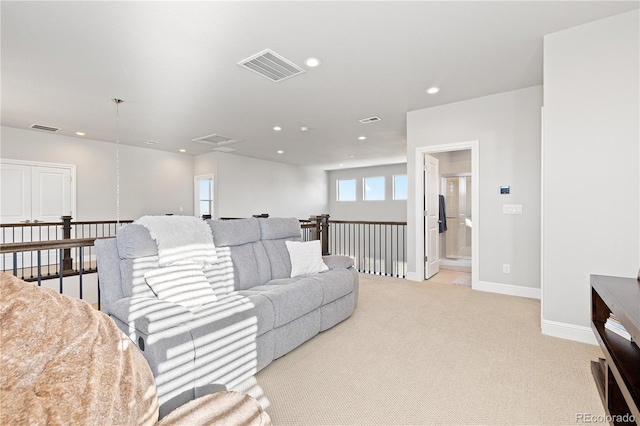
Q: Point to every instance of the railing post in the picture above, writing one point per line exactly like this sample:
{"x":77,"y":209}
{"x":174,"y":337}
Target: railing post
{"x":67,"y":261}
{"x":315,"y":231}
{"x":320,"y":231}
{"x":324,"y":234}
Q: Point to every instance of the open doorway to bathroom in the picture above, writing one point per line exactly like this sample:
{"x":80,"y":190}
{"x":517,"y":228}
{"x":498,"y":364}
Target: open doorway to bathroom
{"x":456,"y":216}
{"x":455,"y":253}
{"x":456,"y":158}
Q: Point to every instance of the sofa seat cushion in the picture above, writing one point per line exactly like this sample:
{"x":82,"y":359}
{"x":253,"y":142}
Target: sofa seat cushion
{"x":335,"y":284}
{"x":292,"y":300}
{"x":254,"y":305}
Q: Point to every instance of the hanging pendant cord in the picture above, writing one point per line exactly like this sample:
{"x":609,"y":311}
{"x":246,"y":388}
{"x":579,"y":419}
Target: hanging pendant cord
{"x":117,"y":102}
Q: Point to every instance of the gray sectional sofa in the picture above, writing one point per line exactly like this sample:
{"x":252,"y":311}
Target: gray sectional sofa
{"x":260,"y":314}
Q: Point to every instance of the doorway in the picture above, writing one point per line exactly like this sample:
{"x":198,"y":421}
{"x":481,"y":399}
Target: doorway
{"x":455,"y":242}
{"x":458,"y":183}
{"x":456,"y":187}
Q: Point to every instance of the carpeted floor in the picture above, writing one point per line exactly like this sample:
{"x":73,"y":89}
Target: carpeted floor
{"x":433,"y":354}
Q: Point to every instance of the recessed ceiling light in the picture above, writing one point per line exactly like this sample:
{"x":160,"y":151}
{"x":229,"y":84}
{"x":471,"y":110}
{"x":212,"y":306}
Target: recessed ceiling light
{"x":362,"y":137}
{"x":183,"y":150}
{"x":352,"y":156}
{"x":277,"y":128}
{"x":312,"y":62}
{"x":280,"y":152}
{"x":151,"y":142}
{"x":304,"y":129}
{"x":433,"y":90}
{"x":80,"y":133}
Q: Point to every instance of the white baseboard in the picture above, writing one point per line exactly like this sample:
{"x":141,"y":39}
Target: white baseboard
{"x":509,"y":289}
{"x":568,"y":331}
{"x":413,"y":276}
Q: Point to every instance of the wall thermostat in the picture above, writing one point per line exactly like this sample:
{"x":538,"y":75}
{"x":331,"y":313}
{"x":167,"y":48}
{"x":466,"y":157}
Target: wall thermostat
{"x":504,"y":189}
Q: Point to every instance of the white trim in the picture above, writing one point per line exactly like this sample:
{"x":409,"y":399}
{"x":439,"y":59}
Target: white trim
{"x":72,"y":169}
{"x":568,"y":331}
{"x":509,"y":289}
{"x":474,"y":146}
{"x":412,"y":276}
{"x":541,"y":212}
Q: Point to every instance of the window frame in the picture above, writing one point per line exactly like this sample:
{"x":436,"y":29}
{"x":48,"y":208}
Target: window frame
{"x":355,"y":192}
{"x":212,"y":195}
{"x":364,"y":188}
{"x":406,"y":189}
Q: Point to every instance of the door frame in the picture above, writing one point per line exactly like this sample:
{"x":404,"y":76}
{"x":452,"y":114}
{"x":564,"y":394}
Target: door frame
{"x":72,"y":168}
{"x":419,"y":190}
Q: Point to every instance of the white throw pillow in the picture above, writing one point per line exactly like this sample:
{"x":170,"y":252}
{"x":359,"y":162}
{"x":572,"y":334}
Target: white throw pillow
{"x":306,"y":257}
{"x":182,"y":284}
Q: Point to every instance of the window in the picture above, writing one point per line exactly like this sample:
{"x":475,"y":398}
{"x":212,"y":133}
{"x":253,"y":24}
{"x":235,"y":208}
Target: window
{"x":400,"y":187}
{"x":374,"y":188}
{"x":347,"y":190}
{"x":204,"y":196}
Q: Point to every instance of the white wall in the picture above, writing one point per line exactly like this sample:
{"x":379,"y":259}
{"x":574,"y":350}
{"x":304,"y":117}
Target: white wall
{"x":158,"y":182}
{"x":151,"y":181}
{"x":387,"y":210}
{"x":591,"y":185}
{"x":246,"y":186}
{"x":507,"y":126}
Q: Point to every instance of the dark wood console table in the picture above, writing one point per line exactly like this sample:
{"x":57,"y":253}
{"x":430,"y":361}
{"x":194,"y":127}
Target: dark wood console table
{"x":617,"y":376}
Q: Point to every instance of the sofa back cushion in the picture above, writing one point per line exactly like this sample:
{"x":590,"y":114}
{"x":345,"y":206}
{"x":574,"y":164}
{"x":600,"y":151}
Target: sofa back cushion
{"x":241,"y":237}
{"x":274,"y":231}
{"x":138,"y":254}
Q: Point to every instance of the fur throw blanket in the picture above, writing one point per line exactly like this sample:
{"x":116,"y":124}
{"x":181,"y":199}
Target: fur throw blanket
{"x":63,"y":362}
{"x":181,"y":240}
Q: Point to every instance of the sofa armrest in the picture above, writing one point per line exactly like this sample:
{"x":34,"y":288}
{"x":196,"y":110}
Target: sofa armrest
{"x":338,"y":262}
{"x":149,"y":315}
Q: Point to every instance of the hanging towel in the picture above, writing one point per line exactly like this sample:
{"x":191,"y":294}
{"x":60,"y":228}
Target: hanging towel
{"x":442,"y":219}
{"x":181,"y":240}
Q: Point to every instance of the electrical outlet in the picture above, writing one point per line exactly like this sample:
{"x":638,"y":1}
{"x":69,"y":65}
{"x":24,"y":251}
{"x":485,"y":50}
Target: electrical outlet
{"x":506,"y":268}
{"x":181,"y":209}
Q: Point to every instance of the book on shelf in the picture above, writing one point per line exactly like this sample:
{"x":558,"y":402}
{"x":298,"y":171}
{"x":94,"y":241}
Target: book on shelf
{"x":613,"y":324}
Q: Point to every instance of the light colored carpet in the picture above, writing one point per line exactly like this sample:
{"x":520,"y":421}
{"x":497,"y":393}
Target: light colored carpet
{"x":433,"y":354}
{"x":463,"y":280}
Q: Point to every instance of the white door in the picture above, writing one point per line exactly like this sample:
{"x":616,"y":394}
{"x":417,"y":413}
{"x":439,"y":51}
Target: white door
{"x":15,"y":196}
{"x":50,"y":193}
{"x":431,"y":216}
{"x":33,"y":193}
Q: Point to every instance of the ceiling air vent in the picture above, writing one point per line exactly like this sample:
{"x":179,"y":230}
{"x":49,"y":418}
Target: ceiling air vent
{"x":215,"y":140}
{"x":271,"y":65}
{"x":370,"y":120}
{"x":45,"y":128}
{"x":223,"y":149}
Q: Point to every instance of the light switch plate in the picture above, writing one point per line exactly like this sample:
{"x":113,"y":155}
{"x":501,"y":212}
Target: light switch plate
{"x":512,"y":208}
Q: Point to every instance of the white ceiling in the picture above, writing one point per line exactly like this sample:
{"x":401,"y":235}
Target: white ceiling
{"x":175,"y":66}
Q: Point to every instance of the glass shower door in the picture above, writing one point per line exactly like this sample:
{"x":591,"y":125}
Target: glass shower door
{"x":457,"y":237}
